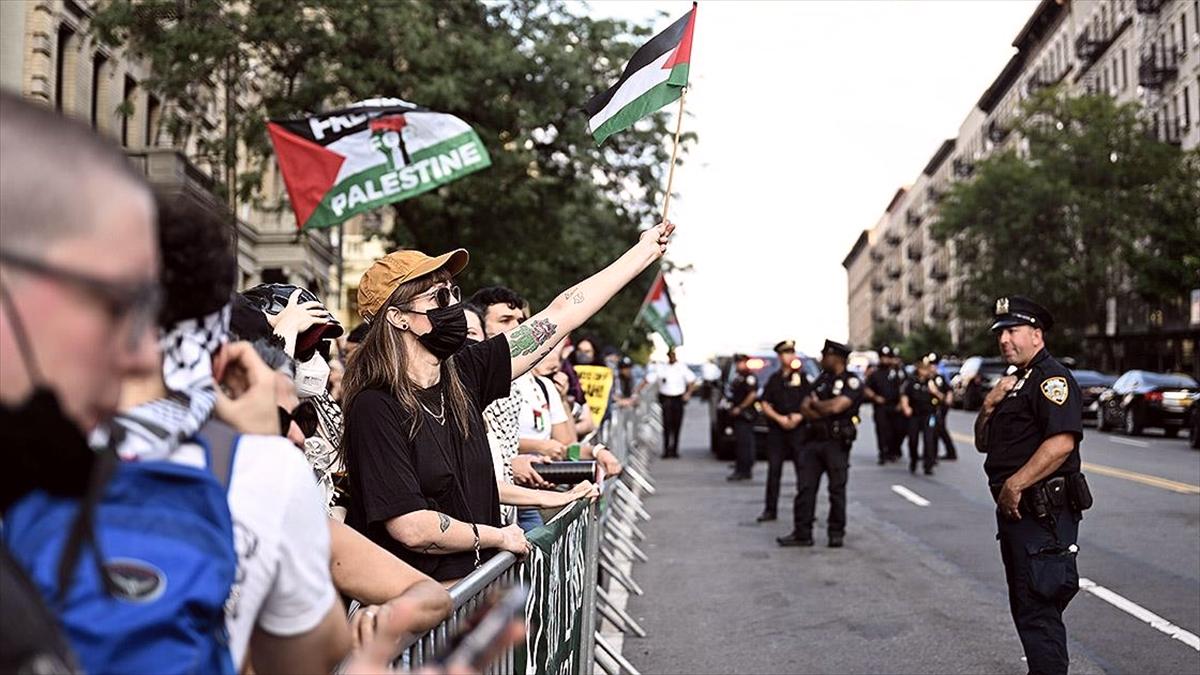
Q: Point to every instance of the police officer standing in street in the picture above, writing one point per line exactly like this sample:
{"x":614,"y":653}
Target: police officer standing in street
{"x":942,"y":410}
{"x":831,"y":411}
{"x":1030,"y":427}
{"x":743,"y":391}
{"x":883,"y":390}
{"x":781,"y":399}
{"x":920,"y":399}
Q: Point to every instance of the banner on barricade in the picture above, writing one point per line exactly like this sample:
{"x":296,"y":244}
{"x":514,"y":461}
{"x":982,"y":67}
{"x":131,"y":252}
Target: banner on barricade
{"x":557,"y":573}
{"x":373,"y":153}
{"x":597,"y":384}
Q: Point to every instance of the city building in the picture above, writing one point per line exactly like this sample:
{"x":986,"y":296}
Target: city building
{"x":1146,"y":51}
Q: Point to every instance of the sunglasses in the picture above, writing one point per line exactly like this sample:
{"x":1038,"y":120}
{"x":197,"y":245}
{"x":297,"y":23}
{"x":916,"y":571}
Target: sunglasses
{"x":443,"y":297}
{"x":137,"y":302}
{"x":305,"y":417}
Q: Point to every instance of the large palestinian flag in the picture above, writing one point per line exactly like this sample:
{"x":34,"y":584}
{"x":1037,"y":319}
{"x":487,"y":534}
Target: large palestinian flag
{"x":375,"y":152}
{"x":659,"y":312}
{"x":655,"y":76}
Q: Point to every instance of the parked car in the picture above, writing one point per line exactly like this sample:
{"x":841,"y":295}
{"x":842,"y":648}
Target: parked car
{"x":763,"y":364}
{"x":1141,"y":398}
{"x":975,"y":379}
{"x":1092,"y":383}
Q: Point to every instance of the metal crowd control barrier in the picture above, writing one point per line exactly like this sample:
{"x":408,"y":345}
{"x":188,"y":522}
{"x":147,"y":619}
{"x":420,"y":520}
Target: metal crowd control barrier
{"x":583,"y":554}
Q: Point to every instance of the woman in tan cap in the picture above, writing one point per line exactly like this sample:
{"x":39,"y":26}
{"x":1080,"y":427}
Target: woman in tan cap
{"x":421,"y":479}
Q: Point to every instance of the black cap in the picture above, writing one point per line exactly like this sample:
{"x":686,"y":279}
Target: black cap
{"x":785,"y":346}
{"x":837,"y":348}
{"x":1018,"y":310}
{"x":625,"y":362}
{"x":887,"y":350}
{"x":931,"y":359}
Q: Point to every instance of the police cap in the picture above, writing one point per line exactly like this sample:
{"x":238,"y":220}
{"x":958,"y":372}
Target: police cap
{"x":835,"y":348}
{"x":1018,"y":310}
{"x":785,"y":346}
{"x":931,"y":359}
{"x":886,"y":350}
{"x":625,"y":362}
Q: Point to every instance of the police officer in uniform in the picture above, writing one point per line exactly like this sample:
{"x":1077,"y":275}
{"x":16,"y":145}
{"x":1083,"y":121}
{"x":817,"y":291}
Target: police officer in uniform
{"x":781,"y":398}
{"x":743,"y":391}
{"x":883,"y":390}
{"x":831,"y":411}
{"x":920,"y":400}
{"x":942,"y":410}
{"x":1030,"y":427}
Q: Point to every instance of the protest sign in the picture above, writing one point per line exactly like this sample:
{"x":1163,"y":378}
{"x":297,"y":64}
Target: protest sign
{"x":597,"y":383}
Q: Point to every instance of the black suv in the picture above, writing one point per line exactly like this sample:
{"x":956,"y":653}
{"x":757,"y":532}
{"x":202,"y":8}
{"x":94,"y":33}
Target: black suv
{"x":763,"y":364}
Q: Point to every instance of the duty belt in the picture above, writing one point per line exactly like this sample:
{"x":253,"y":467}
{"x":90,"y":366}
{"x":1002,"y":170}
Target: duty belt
{"x":1044,"y":497}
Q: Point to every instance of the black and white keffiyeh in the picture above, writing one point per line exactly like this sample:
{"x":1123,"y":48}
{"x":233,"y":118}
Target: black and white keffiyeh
{"x":153,"y":430}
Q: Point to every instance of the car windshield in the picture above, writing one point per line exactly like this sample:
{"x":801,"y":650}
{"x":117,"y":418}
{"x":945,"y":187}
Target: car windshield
{"x":1168,"y":380}
{"x":1092,"y":378}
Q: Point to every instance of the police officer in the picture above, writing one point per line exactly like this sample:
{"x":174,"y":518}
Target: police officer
{"x":1030,"y":427}
{"x":743,"y":391}
{"x":883,"y":390}
{"x":781,"y":398}
{"x":832,"y":413}
{"x":920,"y":399}
{"x":942,"y":410}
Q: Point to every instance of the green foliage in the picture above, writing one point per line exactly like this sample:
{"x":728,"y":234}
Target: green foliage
{"x":924,"y":339}
{"x":1095,"y":207}
{"x":885,"y":332}
{"x":551,"y":209}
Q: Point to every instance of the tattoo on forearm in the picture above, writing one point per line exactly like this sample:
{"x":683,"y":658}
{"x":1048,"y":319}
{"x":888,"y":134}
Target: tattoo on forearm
{"x":575,"y":296}
{"x":526,"y":338}
{"x":443,"y":521}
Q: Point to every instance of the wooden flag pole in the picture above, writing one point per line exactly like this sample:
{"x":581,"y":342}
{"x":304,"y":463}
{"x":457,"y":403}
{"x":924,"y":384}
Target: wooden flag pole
{"x":674,"y":152}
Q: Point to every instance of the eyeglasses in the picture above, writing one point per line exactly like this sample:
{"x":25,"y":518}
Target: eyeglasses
{"x":139,"y":302}
{"x":443,"y":296}
{"x":305,"y":417}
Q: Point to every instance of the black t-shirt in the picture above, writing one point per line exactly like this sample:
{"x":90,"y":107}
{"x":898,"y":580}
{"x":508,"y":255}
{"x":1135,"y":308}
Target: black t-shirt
{"x":922,"y":400}
{"x":785,"y":391}
{"x":888,"y":383}
{"x":391,"y":473}
{"x":1045,"y":401}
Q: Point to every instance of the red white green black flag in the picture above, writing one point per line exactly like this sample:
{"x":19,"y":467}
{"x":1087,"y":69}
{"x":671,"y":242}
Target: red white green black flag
{"x":375,"y":152}
{"x":658,"y":311}
{"x":654,"y":77}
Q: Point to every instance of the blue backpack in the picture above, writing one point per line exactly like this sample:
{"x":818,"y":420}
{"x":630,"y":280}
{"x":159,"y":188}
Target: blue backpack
{"x":148,"y":593}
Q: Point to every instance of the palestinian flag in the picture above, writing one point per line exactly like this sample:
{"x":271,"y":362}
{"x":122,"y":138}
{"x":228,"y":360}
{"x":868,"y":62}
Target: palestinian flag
{"x":659,"y":312}
{"x":375,"y":152}
{"x":655,"y":76}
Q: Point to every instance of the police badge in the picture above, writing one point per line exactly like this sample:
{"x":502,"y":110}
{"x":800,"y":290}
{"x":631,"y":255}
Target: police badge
{"x":1002,"y":306}
{"x":1055,"y":389}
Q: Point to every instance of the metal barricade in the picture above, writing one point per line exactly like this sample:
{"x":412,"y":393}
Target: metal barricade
{"x":610,"y":547}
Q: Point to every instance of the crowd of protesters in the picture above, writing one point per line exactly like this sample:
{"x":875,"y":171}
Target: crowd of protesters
{"x":278,"y":470}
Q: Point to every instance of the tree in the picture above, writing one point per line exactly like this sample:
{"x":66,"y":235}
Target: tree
{"x":924,"y":339}
{"x":551,"y":208}
{"x":886,"y":332}
{"x":1096,"y":208}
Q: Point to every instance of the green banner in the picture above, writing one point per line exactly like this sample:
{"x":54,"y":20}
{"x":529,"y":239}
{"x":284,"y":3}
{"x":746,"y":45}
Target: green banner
{"x":557,"y":573}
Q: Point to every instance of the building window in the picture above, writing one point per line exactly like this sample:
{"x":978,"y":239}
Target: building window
{"x":153,"y":113}
{"x":1187,"y":108}
{"x":1124,"y":70}
{"x":66,"y":42}
{"x":98,"y":63}
{"x":128,"y":106}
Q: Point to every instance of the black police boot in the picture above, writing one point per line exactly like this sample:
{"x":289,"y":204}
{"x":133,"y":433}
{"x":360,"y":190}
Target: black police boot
{"x":765,"y":516}
{"x":735,"y":476}
{"x":795,"y":539}
{"x":836,"y":541}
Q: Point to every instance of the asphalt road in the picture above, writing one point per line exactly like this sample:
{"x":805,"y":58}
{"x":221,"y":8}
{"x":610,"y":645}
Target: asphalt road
{"x":918,"y":589}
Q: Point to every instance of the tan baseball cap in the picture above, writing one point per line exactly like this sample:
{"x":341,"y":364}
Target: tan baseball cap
{"x":385,"y":275}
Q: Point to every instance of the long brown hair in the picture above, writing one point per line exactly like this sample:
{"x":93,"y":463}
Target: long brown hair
{"x":381,"y":362}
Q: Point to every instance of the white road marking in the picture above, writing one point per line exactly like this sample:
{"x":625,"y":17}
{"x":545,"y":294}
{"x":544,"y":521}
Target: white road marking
{"x":1137,"y":611}
{"x":1128,"y":441}
{"x":910,"y":495}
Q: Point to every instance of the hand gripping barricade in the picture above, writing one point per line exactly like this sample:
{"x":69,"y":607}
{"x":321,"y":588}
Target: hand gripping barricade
{"x":579,"y":571}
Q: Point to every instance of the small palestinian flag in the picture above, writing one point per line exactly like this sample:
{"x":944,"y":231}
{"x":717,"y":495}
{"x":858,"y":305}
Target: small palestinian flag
{"x":655,"y":76}
{"x":373,"y":153}
{"x":659,"y":312}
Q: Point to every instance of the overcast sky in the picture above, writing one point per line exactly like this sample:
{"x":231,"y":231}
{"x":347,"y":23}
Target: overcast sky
{"x":810,"y":114}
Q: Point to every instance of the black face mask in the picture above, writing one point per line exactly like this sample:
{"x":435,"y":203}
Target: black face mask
{"x":449,"y":332}
{"x":44,"y":447}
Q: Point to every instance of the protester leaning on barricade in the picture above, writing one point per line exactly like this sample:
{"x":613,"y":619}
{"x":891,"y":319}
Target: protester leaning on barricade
{"x":73,"y":324}
{"x":415,"y":445}
{"x":548,"y":370}
{"x":625,"y":385}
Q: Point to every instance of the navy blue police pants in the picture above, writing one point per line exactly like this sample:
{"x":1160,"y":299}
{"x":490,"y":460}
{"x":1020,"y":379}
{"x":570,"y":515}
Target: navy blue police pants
{"x":743,"y":434}
{"x":782,"y":446}
{"x":831,"y":458}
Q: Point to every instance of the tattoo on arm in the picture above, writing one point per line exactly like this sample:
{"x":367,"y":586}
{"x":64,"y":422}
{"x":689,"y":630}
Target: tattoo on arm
{"x":575,"y":296}
{"x":443,"y":521}
{"x":526,"y":338}
{"x":443,"y":525}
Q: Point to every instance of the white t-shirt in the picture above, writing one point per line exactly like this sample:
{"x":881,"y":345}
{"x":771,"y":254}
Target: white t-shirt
{"x":537,"y":414}
{"x":280,"y":530}
{"x":673,"y":379}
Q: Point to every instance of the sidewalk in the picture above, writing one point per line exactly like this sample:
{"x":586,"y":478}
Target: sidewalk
{"x":722,"y":597}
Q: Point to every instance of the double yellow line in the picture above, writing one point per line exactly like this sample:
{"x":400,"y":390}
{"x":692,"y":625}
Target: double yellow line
{"x":1114,"y":472}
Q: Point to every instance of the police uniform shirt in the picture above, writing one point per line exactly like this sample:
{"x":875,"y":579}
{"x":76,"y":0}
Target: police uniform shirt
{"x":741,"y":387}
{"x":829,"y":386}
{"x":887,"y":382}
{"x":922,"y":400}
{"x":1045,"y":401}
{"x":785,"y":391}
